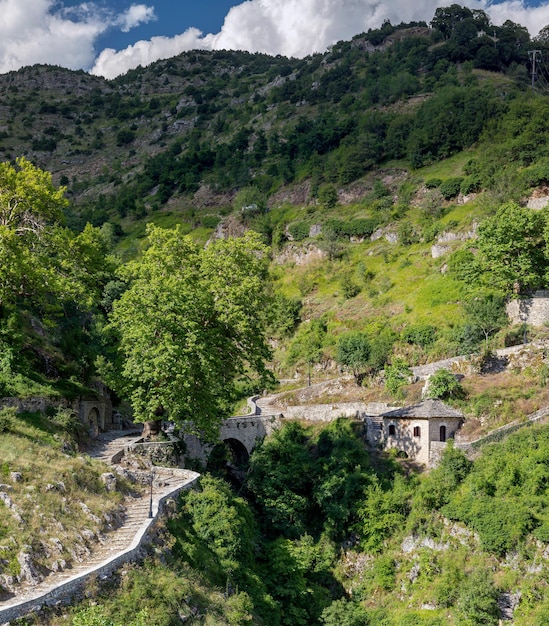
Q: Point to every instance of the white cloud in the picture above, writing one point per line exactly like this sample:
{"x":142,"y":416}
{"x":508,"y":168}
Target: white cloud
{"x":301,"y":27}
{"x":111,"y":63}
{"x":38,"y":31}
{"x":137,"y":14}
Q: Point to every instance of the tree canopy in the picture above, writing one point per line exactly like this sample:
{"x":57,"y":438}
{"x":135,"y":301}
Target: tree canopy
{"x":190,"y":323}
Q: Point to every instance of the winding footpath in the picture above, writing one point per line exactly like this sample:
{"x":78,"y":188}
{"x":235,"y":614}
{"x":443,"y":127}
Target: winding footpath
{"x":120,"y":546}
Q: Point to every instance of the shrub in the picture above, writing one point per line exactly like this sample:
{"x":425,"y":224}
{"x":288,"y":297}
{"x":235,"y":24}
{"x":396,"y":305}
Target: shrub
{"x":443,"y":384}
{"x":327,"y":196}
{"x":361,"y":227}
{"x":433,"y":183}
{"x":336,"y":229}
{"x":7,"y":419}
{"x":451,"y":187}
{"x":344,"y":613}
{"x":210,"y":221}
{"x":349,"y":288}
{"x":67,"y":419}
{"x":125,"y":137}
{"x":471,"y":184}
{"x":423,"y":335}
{"x":299,"y":230}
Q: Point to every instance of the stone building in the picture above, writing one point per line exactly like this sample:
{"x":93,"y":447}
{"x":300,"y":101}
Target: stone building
{"x":420,"y":430}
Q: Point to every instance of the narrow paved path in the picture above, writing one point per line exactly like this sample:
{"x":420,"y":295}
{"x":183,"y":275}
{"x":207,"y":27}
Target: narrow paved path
{"x":115,"y":543}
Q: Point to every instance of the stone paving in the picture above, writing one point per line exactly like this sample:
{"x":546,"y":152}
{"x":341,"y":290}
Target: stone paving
{"x":115,"y":543}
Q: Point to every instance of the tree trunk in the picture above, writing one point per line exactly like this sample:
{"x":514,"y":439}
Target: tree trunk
{"x":151,"y":428}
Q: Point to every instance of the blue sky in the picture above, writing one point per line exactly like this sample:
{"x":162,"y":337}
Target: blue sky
{"x":172,"y":17}
{"x":109,"y":37}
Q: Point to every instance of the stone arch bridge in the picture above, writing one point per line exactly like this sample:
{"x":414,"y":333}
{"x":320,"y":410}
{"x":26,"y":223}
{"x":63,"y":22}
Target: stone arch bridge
{"x":240,"y":434}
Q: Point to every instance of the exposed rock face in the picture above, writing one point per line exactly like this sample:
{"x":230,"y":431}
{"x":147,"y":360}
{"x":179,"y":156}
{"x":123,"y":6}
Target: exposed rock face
{"x":300,"y":255}
{"x":109,"y":480}
{"x":444,"y":241}
{"x":29,"y":573}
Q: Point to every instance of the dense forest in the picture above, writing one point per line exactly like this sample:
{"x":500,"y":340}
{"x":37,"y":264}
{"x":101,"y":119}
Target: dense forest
{"x":189,"y":233}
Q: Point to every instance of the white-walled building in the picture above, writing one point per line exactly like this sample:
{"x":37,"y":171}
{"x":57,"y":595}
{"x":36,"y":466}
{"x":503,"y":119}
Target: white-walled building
{"x":420,"y":430}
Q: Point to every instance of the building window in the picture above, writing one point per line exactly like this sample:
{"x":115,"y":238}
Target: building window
{"x":417,"y":431}
{"x":392,"y":430}
{"x":443,"y":433}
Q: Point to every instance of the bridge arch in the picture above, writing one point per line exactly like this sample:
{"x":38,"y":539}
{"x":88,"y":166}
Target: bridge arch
{"x":239,"y":434}
{"x":238,"y":450}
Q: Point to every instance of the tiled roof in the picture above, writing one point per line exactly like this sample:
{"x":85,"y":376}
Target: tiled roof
{"x":424,"y":410}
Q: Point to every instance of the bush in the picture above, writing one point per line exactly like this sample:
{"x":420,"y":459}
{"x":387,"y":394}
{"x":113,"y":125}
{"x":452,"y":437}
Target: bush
{"x":210,"y":221}
{"x":7,"y":419}
{"x":361,"y":227}
{"x":349,"y":288}
{"x":67,"y":419}
{"x":451,"y":187}
{"x":423,"y":335}
{"x":299,"y":230}
{"x":344,"y":613}
{"x":444,"y":385}
{"x":433,"y":183}
{"x":471,"y":184}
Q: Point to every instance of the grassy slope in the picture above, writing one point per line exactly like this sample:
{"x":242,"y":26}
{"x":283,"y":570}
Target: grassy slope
{"x":55,"y":484}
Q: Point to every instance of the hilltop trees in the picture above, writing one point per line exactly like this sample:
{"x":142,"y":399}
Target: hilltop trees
{"x":190,"y":323}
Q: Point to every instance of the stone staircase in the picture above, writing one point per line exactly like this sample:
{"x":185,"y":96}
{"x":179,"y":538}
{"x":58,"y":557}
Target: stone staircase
{"x":60,"y":587}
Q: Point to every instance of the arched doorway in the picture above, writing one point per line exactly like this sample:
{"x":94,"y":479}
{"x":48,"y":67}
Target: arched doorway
{"x":443,"y":433}
{"x":93,"y":422}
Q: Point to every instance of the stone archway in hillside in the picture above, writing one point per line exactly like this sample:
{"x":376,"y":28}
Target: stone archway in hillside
{"x":93,"y":422}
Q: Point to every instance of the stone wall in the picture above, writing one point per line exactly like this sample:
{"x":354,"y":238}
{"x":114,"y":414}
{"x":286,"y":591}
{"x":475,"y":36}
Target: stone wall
{"x":96,"y":415}
{"x":533,"y":311}
{"x":331,"y":412}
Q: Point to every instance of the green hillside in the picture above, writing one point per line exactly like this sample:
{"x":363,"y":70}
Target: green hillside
{"x":194,"y":232}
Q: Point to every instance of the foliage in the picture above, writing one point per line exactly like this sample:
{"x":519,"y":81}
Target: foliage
{"x":423,"y":335}
{"x":444,"y":385}
{"x":344,"y":613}
{"x":513,"y":469}
{"x":510,"y":250}
{"x":189,"y":324}
{"x":224,"y":524}
{"x":397,"y":375}
{"x":477,"y":602}
{"x":299,"y":230}
{"x":308,"y":343}
{"x":486,"y":313}
{"x":383,"y":512}
{"x":7,"y":419}
{"x":353,"y":353}
{"x":450,"y":188}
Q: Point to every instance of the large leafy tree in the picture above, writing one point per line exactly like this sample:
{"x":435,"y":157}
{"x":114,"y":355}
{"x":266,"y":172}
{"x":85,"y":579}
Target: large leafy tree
{"x":510,"y":250}
{"x":190,"y":323}
{"x":30,"y":207}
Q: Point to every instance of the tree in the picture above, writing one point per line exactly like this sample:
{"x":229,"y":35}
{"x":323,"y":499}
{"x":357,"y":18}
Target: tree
{"x":510,"y":249}
{"x":446,"y":18}
{"x":486,"y":312}
{"x":353,"y":353}
{"x":30,"y":208}
{"x":190,"y":323}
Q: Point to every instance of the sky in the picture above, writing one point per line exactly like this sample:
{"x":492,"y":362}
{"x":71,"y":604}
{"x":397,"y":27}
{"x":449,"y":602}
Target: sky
{"x":110,"y":37}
